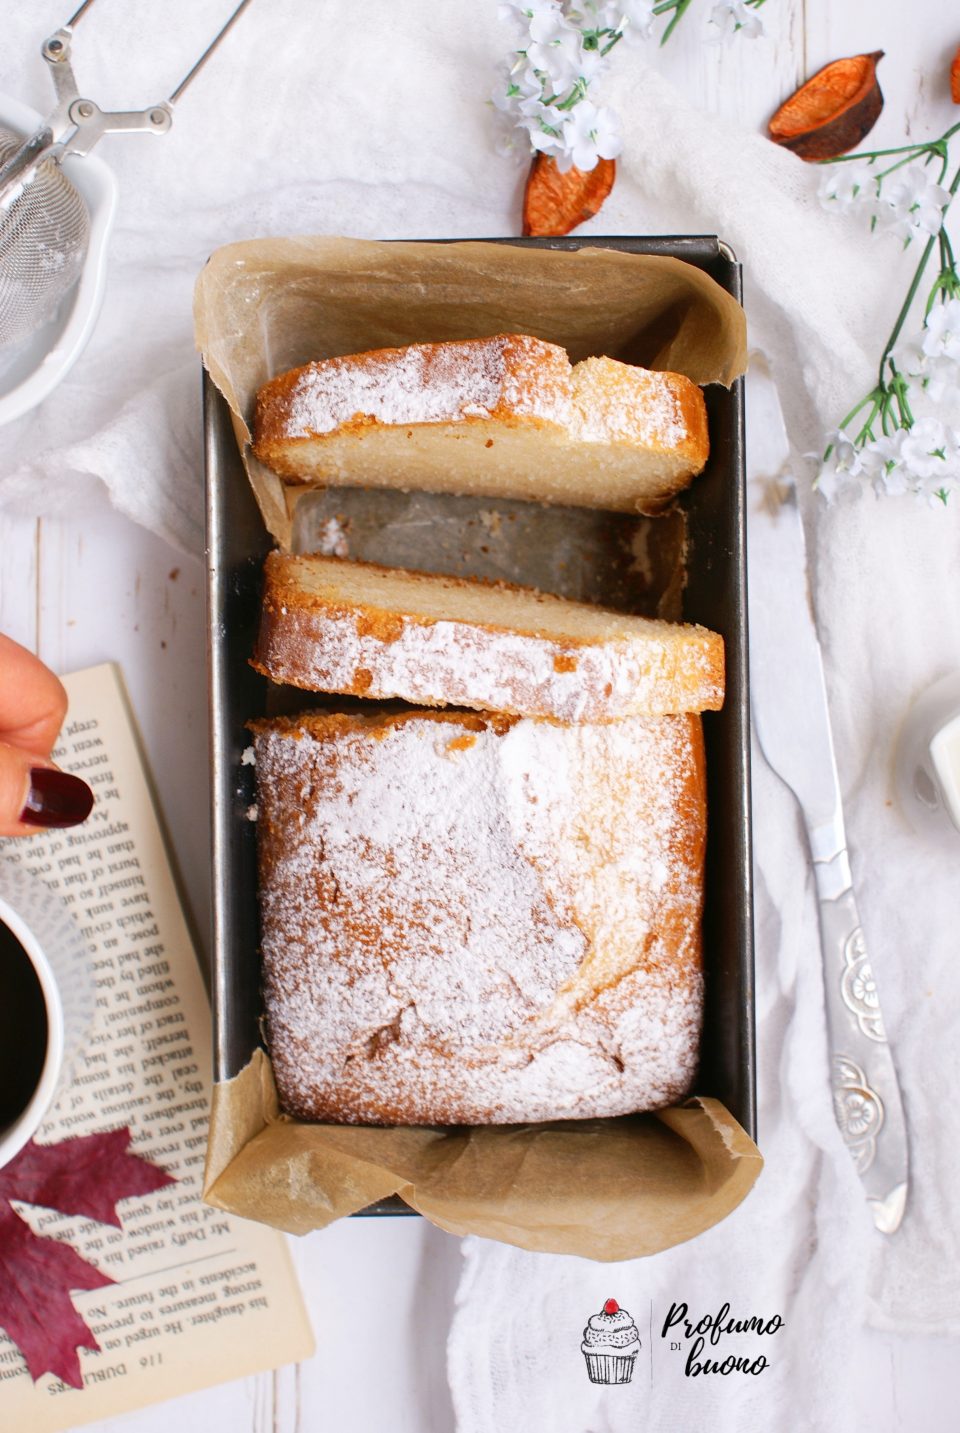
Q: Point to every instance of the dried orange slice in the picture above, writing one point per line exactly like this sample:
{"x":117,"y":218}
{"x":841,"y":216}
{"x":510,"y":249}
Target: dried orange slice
{"x":833,"y":111}
{"x":555,"y":203}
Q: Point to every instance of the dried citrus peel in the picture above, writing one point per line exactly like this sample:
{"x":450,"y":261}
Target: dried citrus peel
{"x":555,"y":203}
{"x":833,"y":111}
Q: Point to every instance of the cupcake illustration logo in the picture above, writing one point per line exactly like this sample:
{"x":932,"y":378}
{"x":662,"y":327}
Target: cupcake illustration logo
{"x":610,"y":1345}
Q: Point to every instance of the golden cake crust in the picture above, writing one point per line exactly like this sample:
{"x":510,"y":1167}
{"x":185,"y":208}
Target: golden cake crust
{"x":364,"y":630}
{"x":505,"y":416}
{"x":507,"y":378}
{"x":471,"y":918}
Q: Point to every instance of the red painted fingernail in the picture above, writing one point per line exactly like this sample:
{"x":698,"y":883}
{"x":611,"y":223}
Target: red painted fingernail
{"x":56,"y":798}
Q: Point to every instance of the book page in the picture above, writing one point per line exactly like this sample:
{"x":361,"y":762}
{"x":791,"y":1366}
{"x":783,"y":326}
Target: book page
{"x":200,"y":1296}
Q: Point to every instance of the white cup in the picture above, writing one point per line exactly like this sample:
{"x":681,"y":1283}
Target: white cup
{"x":928,"y":760}
{"x":50,"y":938}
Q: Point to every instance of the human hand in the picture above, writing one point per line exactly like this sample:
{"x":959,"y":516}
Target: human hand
{"x":33,"y":791}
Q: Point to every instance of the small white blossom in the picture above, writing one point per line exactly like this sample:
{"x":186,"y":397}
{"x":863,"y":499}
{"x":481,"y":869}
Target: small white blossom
{"x":846,"y":185}
{"x":909,"y":357}
{"x":547,"y":142}
{"x":881,"y":466}
{"x":941,"y":331}
{"x":942,"y":380}
{"x":589,"y":134}
{"x":930,"y":452}
{"x":633,"y":18}
{"x":526,"y":12}
{"x":923,"y":460}
{"x":933,"y":354}
{"x":731,"y":17}
{"x":559,"y":56}
{"x":840,"y":470}
{"x":910,"y":204}
{"x":550,"y":26}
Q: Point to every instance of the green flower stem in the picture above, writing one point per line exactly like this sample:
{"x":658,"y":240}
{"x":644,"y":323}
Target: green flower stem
{"x":935,"y":144}
{"x":915,"y":284}
{"x":907,"y":159}
{"x":679,"y":8}
{"x":874,"y":397}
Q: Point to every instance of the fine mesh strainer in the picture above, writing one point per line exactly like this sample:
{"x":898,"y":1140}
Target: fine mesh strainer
{"x":44,"y":226}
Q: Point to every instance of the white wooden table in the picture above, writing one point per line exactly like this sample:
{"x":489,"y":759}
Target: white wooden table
{"x":90,"y":587}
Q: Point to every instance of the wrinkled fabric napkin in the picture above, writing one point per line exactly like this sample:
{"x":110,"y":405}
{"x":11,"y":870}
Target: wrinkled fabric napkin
{"x":886,"y":589}
{"x":374,"y":125}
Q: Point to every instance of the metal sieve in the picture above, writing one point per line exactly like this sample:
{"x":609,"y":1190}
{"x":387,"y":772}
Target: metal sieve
{"x":44,"y":227}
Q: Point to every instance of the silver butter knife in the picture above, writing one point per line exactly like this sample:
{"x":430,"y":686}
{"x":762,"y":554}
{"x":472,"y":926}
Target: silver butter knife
{"x":789,"y":704}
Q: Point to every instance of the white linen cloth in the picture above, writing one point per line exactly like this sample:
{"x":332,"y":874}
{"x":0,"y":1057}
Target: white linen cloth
{"x":317,"y":119}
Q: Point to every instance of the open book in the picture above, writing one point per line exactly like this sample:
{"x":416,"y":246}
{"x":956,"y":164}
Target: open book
{"x":201,"y":1296}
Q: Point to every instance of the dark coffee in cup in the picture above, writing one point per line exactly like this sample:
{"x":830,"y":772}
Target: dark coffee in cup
{"x":23,"y":1028}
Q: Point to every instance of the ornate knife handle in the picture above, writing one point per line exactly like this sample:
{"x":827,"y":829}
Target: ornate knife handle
{"x":866,"y":1094}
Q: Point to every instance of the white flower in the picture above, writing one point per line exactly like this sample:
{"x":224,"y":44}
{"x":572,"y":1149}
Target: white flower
{"x":589,"y":134}
{"x":880,"y":464}
{"x":517,"y":83}
{"x":541,"y":138}
{"x":633,"y":18}
{"x":930,"y":452}
{"x":550,"y":26}
{"x":731,"y":17}
{"x":592,"y":64}
{"x":839,"y":471}
{"x":560,"y":61}
{"x":909,"y":357}
{"x":933,"y":354}
{"x":526,"y":12}
{"x":846,"y":185}
{"x":911,"y":204}
{"x":941,"y":331}
{"x":942,"y":380}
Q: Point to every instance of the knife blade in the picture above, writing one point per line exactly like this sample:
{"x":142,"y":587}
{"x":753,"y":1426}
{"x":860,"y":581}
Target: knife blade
{"x":792,"y":722}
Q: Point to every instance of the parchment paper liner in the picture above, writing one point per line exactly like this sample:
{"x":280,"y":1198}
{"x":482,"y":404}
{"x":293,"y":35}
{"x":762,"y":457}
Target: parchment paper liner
{"x":267,"y":305}
{"x":604,"y":1189}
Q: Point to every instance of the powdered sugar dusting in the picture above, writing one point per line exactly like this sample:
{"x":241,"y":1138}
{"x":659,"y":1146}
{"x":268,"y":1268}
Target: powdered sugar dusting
{"x":617,"y":403}
{"x":428,"y":383}
{"x":333,"y":539}
{"x":478,"y":919}
{"x":666,"y":670}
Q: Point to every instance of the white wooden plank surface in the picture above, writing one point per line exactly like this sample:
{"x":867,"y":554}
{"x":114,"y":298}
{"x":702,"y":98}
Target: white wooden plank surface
{"x":90,"y":588}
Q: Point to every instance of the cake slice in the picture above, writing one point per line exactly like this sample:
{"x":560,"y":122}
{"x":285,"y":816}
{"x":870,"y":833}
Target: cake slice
{"x":477,"y":919}
{"x":499,"y":417}
{"x":331,"y":625}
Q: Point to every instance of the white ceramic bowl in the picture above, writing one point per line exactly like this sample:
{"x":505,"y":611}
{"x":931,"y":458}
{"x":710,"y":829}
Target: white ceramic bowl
{"x":31,"y":370}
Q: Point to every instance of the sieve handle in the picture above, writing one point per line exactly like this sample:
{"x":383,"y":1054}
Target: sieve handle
{"x":192,"y":74}
{"x":78,"y":123}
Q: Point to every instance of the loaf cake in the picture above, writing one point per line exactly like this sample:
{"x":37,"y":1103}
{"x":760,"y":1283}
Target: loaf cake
{"x":352,"y":627}
{"x":504,"y":416}
{"x":479,"y":919}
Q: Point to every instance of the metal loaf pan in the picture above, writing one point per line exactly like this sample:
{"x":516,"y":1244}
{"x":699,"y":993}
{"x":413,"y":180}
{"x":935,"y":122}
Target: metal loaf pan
{"x":714,"y":594}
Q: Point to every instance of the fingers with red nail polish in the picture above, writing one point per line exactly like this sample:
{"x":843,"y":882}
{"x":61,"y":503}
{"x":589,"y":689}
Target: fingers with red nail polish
{"x":33,"y":792}
{"x":56,"y":798}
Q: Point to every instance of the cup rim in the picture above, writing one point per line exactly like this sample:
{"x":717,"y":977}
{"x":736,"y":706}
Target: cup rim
{"x":17,"y":1134}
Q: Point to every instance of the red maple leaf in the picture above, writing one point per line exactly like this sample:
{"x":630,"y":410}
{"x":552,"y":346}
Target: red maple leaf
{"x":82,"y":1176}
{"x":75,"y":1176}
